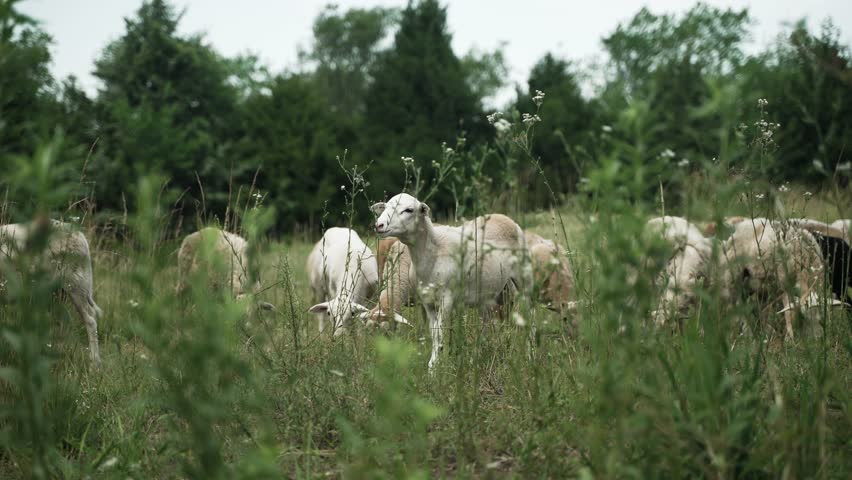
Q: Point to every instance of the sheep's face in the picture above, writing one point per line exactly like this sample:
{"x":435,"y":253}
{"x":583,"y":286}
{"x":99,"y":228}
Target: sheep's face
{"x":400,"y":216}
{"x":339,"y":311}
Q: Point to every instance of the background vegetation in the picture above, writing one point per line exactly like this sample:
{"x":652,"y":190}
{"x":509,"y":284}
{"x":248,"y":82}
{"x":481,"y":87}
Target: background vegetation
{"x":178,"y":136}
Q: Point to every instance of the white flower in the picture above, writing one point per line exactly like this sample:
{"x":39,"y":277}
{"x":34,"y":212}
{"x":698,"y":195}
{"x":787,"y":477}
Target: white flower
{"x":606,"y":128}
{"x":762,"y":102}
{"x":407,"y":161}
{"x":683,"y":162}
{"x":75,"y":219}
{"x":530,"y":119}
{"x":783,"y":189}
{"x":759,"y":196}
{"x":257,"y":196}
{"x":494,"y":117}
{"x":133,"y":303}
{"x":844,"y":167}
{"x":538,"y":98}
{"x":342,"y":188}
{"x":808,"y":194}
{"x":502,"y":125}
{"x":449,"y":151}
{"x":667,"y":153}
{"x":519,"y":320}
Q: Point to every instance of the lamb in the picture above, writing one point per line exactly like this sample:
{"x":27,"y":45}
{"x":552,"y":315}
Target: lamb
{"x":685,"y":269}
{"x":223,"y":256}
{"x":764,"y":256}
{"x":552,"y":273}
{"x":70,"y":262}
{"x":343,"y":274}
{"x":487,"y":254}
{"x":397,"y":279}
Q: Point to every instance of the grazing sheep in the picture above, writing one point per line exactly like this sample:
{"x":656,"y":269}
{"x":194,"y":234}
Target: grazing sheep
{"x":70,"y":262}
{"x":486,"y":254}
{"x":765,"y":256}
{"x":223,"y":256}
{"x":343,"y":274}
{"x":685,"y":269}
{"x":836,"y":253}
{"x":397,"y":279}
{"x":551,"y":272}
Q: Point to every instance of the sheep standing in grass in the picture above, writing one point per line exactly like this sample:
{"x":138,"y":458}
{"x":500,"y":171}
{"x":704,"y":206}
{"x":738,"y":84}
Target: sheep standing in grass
{"x":686,"y":268}
{"x":766,"y":257}
{"x":70,"y":263}
{"x":223,"y":257}
{"x":487,"y":255}
{"x":552,"y":273}
{"x":343,"y":275}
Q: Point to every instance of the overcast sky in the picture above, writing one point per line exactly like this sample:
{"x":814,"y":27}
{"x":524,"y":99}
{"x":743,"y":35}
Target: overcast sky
{"x":275,"y":29}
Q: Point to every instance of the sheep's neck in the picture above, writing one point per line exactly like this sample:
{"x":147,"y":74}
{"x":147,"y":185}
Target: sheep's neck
{"x":422,"y":247}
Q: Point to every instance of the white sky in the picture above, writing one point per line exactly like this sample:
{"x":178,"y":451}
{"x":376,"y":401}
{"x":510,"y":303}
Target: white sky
{"x":275,"y":29}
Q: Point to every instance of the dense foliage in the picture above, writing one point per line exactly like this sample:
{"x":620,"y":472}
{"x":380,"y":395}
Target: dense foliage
{"x":380,"y":84}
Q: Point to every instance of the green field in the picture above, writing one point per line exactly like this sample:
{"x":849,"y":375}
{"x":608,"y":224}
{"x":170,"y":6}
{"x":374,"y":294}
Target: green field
{"x":199,"y":389}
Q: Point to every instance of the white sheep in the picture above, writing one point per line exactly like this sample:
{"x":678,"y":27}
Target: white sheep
{"x":765,"y":256}
{"x":686,"y":268}
{"x":552,"y":273}
{"x":343,"y":275}
{"x":70,"y":262}
{"x":487,"y":255}
{"x":223,"y":257}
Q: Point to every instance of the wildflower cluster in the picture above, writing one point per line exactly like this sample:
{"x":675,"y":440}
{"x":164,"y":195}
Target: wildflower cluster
{"x":530,"y":120}
{"x":538,"y":99}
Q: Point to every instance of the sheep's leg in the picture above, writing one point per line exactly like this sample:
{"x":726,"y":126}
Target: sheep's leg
{"x":88,"y":311}
{"x":788,"y":316}
{"x":436,"y":317}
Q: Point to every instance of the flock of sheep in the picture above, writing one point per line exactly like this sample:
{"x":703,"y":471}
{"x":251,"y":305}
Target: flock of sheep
{"x":486,"y":263}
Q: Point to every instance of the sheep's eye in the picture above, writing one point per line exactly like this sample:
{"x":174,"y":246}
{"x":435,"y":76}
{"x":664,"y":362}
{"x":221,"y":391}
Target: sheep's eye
{"x":408,"y":210}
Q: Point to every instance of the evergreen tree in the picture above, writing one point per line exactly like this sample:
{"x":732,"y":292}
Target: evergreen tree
{"x":26,"y":98}
{"x":288,"y":131}
{"x":420,"y":97}
{"x":165,"y":107}
{"x":565,"y":136}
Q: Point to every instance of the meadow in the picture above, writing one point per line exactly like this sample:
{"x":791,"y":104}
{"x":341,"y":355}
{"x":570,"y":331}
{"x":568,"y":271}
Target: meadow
{"x":197,"y":388}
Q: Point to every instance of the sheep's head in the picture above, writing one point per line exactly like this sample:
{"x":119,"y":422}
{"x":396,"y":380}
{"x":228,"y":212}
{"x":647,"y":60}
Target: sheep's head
{"x":400,"y":217}
{"x":340,"y":311}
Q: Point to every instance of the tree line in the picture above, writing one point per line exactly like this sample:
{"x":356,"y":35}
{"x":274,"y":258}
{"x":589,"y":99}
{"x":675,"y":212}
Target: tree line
{"x":377,"y":85}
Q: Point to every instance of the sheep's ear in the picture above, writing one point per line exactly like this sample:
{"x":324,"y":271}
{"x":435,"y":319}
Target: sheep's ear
{"x":424,"y":210}
{"x":400,"y":319}
{"x":378,"y":208}
{"x":267,"y":306}
{"x":319,"y":308}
